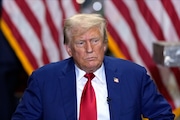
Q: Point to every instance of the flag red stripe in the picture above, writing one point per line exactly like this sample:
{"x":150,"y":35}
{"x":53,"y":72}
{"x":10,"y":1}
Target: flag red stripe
{"x":77,"y":6}
{"x":53,"y":30}
{"x":20,"y":40}
{"x":172,"y":15}
{"x":35,"y":24}
{"x":142,"y":50}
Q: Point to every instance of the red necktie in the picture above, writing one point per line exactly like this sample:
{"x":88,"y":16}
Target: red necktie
{"x":88,"y":109}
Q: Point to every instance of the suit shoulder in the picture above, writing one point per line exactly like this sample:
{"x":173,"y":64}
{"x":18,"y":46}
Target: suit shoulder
{"x":53,"y":67}
{"x":122,"y":63}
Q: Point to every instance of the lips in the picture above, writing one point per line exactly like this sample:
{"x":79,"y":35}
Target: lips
{"x":91,"y":58}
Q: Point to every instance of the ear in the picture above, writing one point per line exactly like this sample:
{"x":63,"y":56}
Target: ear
{"x":68,"y":49}
{"x":105,"y":47}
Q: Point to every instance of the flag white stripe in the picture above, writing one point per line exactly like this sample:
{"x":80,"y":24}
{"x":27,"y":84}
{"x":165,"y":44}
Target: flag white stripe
{"x":68,"y":7}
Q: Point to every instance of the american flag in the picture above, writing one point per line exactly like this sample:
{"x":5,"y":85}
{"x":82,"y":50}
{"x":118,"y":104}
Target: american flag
{"x":134,"y":25}
{"x":34,"y":30}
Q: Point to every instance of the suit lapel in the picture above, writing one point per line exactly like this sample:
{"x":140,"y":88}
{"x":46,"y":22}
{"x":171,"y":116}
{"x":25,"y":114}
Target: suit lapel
{"x":113,"y":84}
{"x":68,"y":85}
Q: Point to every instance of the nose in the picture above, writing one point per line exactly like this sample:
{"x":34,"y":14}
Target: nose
{"x":89,"y":48}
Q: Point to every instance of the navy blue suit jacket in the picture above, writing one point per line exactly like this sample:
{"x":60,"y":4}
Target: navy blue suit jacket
{"x":51,"y":93}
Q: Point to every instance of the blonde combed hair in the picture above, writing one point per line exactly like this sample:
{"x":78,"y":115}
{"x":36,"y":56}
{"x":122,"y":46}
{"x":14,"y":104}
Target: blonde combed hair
{"x":80,"y":23}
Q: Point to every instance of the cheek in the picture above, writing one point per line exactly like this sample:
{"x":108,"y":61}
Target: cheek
{"x":102,"y":49}
{"x":77,"y":52}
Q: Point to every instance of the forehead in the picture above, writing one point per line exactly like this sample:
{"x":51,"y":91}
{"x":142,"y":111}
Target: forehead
{"x":92,"y":32}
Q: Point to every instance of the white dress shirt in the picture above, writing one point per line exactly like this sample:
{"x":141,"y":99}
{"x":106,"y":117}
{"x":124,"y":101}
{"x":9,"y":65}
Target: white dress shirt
{"x":100,"y":88}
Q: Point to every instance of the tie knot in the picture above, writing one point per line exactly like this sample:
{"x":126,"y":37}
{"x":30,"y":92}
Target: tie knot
{"x":89,"y":76}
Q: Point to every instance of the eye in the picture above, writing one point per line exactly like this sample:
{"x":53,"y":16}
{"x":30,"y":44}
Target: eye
{"x":80,"y":43}
{"x":95,"y":40}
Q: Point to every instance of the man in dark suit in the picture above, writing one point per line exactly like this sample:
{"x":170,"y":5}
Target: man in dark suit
{"x":123,"y":90}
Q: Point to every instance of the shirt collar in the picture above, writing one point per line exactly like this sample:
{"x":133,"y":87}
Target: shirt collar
{"x":79,"y":73}
{"x":100,"y":74}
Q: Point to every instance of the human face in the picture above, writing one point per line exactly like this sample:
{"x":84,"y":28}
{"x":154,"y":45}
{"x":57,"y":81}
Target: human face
{"x":87,"y":50}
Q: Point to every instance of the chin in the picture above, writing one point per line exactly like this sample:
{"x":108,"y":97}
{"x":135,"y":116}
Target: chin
{"x":93,"y":67}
